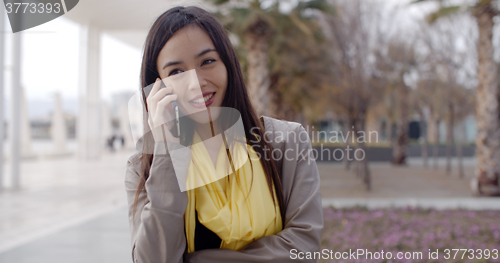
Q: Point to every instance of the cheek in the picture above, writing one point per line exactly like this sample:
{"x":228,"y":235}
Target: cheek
{"x":222,"y":80}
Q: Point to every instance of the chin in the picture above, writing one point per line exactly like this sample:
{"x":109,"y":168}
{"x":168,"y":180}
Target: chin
{"x":202,"y":117}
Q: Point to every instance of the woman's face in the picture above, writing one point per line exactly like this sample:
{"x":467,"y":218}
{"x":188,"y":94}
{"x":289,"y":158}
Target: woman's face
{"x":190,"y":64}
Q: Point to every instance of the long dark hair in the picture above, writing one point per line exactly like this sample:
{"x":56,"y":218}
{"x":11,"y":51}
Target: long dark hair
{"x":236,"y":96}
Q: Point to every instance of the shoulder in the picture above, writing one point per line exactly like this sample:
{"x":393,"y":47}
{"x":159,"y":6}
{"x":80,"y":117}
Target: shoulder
{"x":282,"y":130}
{"x":277,"y":125}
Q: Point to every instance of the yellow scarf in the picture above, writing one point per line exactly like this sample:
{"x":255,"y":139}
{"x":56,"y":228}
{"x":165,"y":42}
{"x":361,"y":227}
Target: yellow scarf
{"x":220,"y":201}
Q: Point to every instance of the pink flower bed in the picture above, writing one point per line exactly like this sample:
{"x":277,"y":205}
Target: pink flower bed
{"x":411,"y":230}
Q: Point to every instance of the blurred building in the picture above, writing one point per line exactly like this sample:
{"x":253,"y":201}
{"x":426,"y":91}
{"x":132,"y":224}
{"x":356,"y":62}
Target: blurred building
{"x":464,"y":131}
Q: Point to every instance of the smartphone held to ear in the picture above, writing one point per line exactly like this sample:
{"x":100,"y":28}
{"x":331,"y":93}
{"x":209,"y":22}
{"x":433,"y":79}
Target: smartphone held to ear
{"x":177,"y":128}
{"x":176,"y":114}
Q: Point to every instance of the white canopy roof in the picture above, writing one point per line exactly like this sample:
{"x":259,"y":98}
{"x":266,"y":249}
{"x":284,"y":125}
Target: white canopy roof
{"x":127,"y":20}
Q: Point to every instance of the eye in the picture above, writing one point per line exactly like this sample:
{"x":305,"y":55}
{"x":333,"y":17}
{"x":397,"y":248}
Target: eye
{"x":175,"y":71}
{"x":208,"y":61}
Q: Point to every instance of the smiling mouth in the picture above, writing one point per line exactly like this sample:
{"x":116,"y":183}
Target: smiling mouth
{"x":202,"y":100}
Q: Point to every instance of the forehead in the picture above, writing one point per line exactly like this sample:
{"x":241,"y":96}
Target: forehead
{"x":187,"y":41}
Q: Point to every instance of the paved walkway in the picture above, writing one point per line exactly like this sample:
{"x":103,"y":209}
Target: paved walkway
{"x":388,"y":181}
{"x":60,"y":193}
{"x":70,"y":211}
{"x":468,"y":203}
{"x":105,"y":239}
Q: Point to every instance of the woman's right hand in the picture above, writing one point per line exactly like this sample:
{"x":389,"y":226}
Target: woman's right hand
{"x":161,"y":112}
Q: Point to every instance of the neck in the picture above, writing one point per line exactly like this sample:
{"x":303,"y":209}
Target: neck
{"x":207,"y":130}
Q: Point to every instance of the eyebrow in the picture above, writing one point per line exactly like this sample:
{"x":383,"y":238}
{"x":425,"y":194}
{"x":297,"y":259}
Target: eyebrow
{"x":197,"y":56}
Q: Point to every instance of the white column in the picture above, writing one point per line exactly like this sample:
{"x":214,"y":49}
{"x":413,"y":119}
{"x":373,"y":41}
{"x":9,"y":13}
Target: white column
{"x":58,"y":128}
{"x":125,"y":130}
{"x":26,"y":150}
{"x":15,"y":119}
{"x":106,"y":125}
{"x":88,"y":129}
{"x":2,"y":101}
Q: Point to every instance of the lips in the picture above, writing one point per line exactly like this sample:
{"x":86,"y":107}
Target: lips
{"x":204,"y":100}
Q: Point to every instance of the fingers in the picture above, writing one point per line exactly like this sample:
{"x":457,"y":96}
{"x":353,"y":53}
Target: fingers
{"x":151,"y":105}
{"x":162,"y":104}
{"x":156,"y":87}
{"x":158,"y":100}
{"x":160,"y":109}
{"x":162,"y":93}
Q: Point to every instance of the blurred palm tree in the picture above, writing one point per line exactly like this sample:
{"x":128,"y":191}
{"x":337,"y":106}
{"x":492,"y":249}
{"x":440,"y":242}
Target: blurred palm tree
{"x":394,"y":62}
{"x":279,"y":52}
{"x":487,"y":175}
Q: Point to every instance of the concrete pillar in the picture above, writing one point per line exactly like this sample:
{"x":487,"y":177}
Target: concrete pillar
{"x":106,"y":125}
{"x":125,"y":129}
{"x":135,"y":114}
{"x":15,"y":119}
{"x":58,"y":128}
{"x":88,"y":130}
{"x":26,"y":150}
{"x":2,"y":101}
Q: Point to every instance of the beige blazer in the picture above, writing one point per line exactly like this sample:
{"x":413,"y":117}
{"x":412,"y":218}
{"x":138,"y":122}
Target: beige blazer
{"x":158,"y":233}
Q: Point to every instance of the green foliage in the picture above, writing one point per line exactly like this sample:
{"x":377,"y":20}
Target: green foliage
{"x":236,"y":21}
{"x":220,"y":2}
{"x":299,"y":67}
{"x":296,"y":48}
{"x":298,"y":63}
{"x":420,"y":1}
{"x":443,"y":11}
{"x":322,"y":5}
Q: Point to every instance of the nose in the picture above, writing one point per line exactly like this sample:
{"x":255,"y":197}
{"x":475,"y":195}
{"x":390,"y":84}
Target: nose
{"x":196,"y":81}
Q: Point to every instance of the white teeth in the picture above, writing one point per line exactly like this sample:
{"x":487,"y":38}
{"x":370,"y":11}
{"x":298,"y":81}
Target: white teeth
{"x":204,"y":99}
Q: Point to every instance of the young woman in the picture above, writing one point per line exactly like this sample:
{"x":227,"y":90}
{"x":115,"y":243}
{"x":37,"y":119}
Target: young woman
{"x":266,"y":210}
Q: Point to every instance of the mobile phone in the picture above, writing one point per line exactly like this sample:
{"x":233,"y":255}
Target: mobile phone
{"x":176,"y":113}
{"x":148,"y":89}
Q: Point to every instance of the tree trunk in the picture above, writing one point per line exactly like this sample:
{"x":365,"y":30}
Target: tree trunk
{"x":449,"y":137}
{"x":363,"y":170}
{"x":435,"y":151}
{"x":488,"y":137}
{"x":389,"y":131}
{"x":460,"y":163}
{"x":401,"y":143}
{"x":348,"y":132}
{"x":257,"y":46}
{"x":423,"y":134}
{"x":463,"y":139}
